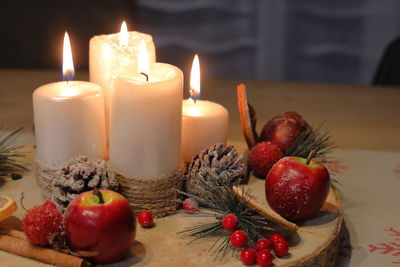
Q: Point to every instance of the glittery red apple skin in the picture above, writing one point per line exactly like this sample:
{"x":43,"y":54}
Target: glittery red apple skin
{"x":107,"y":228}
{"x":283,"y":130}
{"x":296,"y":190}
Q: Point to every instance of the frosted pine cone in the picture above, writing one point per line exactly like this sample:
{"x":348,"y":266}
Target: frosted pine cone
{"x":220,"y":163}
{"x":81,"y":174}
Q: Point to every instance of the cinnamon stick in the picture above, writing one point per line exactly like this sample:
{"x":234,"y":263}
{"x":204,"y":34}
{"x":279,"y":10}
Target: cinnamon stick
{"x":24,"y":248}
{"x":265,"y":211}
{"x":14,"y":233}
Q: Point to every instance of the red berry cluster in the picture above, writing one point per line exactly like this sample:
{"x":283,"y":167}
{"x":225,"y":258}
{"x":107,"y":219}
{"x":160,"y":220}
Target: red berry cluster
{"x":261,"y":252}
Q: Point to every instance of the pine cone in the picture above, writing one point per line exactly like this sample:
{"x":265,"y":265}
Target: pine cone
{"x":220,"y":164}
{"x":81,"y":174}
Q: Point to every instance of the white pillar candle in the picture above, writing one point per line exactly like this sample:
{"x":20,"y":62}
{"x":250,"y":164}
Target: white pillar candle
{"x":110,"y":51}
{"x":204,"y":123}
{"x":145,"y":120}
{"x":69,"y":118}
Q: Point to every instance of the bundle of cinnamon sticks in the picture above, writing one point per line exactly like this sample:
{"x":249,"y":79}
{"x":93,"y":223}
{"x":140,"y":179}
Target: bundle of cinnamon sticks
{"x":15,"y":242}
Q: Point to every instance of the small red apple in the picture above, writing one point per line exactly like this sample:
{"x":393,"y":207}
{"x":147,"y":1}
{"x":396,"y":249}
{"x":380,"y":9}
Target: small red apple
{"x":296,"y":188}
{"x":283,"y":130}
{"x":100,"y":221}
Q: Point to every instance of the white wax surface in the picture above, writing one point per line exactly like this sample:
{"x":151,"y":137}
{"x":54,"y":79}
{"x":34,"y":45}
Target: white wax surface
{"x":145,"y":121}
{"x":69,"y":121}
{"x":105,"y":54}
{"x":204,"y":123}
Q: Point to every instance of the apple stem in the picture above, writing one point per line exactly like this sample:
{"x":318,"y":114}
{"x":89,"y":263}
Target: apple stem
{"x":310,"y":156}
{"x":99,"y":195}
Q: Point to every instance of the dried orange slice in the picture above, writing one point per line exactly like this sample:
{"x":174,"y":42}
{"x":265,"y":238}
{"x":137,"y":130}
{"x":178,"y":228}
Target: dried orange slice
{"x":7,"y":207}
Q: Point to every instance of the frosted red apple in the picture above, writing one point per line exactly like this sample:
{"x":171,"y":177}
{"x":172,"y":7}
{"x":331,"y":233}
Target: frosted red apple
{"x":297,"y":190}
{"x":101,"y":222}
{"x":283,"y":130}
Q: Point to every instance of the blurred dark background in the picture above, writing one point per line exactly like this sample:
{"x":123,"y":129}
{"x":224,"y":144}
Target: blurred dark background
{"x":336,"y":41}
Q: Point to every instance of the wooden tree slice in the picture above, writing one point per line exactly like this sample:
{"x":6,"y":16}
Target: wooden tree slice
{"x":314,"y":244}
{"x":318,"y":237}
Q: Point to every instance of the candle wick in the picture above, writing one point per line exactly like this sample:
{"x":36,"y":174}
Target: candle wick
{"x":193,"y":95}
{"x":68,"y":75}
{"x":145,"y":75}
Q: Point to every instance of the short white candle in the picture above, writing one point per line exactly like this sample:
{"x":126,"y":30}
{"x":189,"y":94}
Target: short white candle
{"x":204,"y":123}
{"x":110,"y":51}
{"x":145,"y":119}
{"x":69,"y":118}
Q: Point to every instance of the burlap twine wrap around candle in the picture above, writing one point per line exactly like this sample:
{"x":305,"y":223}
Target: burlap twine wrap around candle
{"x":44,"y":178}
{"x":157,"y":194}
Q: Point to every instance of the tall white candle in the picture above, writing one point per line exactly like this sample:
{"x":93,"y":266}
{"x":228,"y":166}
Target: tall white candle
{"x":112,"y":51}
{"x":204,"y":123}
{"x":145,"y":119}
{"x":69,"y":118}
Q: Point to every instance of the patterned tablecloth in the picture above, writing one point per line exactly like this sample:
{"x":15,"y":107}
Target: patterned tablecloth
{"x":369,"y":184}
{"x":370,"y":191}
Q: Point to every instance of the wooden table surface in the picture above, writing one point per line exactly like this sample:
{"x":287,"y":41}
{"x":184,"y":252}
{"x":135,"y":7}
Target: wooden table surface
{"x":361,"y":117}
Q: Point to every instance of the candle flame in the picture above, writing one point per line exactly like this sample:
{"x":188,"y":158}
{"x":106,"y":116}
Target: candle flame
{"x":123,"y":35}
{"x":195,"y":79}
{"x":143,"y":58}
{"x":68,"y":64}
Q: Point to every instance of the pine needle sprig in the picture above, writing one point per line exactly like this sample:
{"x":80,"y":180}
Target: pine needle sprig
{"x":220,"y":200}
{"x":318,"y":139}
{"x":10,"y":157}
{"x":313,"y":138}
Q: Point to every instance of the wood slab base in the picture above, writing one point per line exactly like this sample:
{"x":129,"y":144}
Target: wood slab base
{"x":315,"y":244}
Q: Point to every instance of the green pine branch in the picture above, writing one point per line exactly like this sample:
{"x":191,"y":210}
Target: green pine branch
{"x":313,"y":138}
{"x":10,"y":157}
{"x":219,"y":201}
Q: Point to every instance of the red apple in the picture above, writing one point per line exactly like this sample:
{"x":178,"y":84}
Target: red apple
{"x":100,"y":221}
{"x":283,"y":130}
{"x":296,"y":188}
